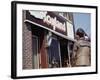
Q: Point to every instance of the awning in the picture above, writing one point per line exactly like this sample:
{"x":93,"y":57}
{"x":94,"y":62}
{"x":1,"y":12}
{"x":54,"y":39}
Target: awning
{"x":57,"y":33}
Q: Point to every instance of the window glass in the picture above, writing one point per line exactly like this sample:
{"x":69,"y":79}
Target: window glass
{"x":35,"y":62}
{"x":53,"y":53}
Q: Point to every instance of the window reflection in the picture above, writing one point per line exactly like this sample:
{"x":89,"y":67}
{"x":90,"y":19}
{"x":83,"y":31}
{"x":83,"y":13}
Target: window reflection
{"x":53,"y":52}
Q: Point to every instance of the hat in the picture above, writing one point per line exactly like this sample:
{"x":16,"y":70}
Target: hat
{"x":80,"y":32}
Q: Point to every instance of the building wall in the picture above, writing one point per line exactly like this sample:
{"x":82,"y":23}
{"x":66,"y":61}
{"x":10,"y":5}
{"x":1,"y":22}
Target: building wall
{"x":27,"y":44}
{"x":29,"y":30}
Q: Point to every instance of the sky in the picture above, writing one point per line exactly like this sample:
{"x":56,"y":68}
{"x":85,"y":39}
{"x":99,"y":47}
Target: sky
{"x":82,"y":20}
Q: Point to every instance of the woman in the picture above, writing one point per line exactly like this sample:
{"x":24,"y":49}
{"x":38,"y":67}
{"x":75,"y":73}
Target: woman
{"x":81,"y":51}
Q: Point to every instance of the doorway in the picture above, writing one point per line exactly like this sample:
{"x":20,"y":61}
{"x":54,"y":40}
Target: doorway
{"x":64,"y":53}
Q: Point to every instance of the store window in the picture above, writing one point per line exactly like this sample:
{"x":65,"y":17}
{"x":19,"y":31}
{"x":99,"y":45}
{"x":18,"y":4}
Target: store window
{"x":35,"y":58}
{"x":54,"y":54}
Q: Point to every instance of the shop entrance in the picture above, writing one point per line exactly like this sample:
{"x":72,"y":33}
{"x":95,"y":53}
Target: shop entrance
{"x":64,"y":53}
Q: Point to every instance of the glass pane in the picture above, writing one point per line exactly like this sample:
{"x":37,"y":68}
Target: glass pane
{"x":53,"y":52}
{"x":35,"y":53}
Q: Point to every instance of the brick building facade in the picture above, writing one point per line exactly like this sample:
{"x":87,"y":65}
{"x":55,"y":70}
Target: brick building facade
{"x":45,"y":46}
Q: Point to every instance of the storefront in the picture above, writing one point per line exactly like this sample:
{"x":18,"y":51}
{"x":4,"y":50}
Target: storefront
{"x":47,"y":40}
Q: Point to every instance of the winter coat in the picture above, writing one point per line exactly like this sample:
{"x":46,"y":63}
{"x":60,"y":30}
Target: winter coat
{"x":81,"y":53}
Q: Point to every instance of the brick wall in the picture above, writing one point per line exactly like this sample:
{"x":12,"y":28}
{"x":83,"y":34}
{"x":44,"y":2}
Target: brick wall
{"x":27,"y":44}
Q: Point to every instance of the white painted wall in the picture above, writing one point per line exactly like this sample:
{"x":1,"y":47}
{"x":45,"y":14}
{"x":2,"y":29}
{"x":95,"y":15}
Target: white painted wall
{"x":5,"y":40}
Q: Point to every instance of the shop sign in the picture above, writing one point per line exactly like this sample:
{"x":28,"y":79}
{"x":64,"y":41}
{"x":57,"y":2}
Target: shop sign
{"x":49,"y":20}
{"x":54,"y":22}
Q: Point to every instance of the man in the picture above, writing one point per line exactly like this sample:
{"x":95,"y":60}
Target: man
{"x":81,"y":51}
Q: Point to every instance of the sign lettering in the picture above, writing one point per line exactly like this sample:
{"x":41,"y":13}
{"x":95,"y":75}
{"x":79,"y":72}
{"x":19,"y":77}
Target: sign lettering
{"x":54,"y":22}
